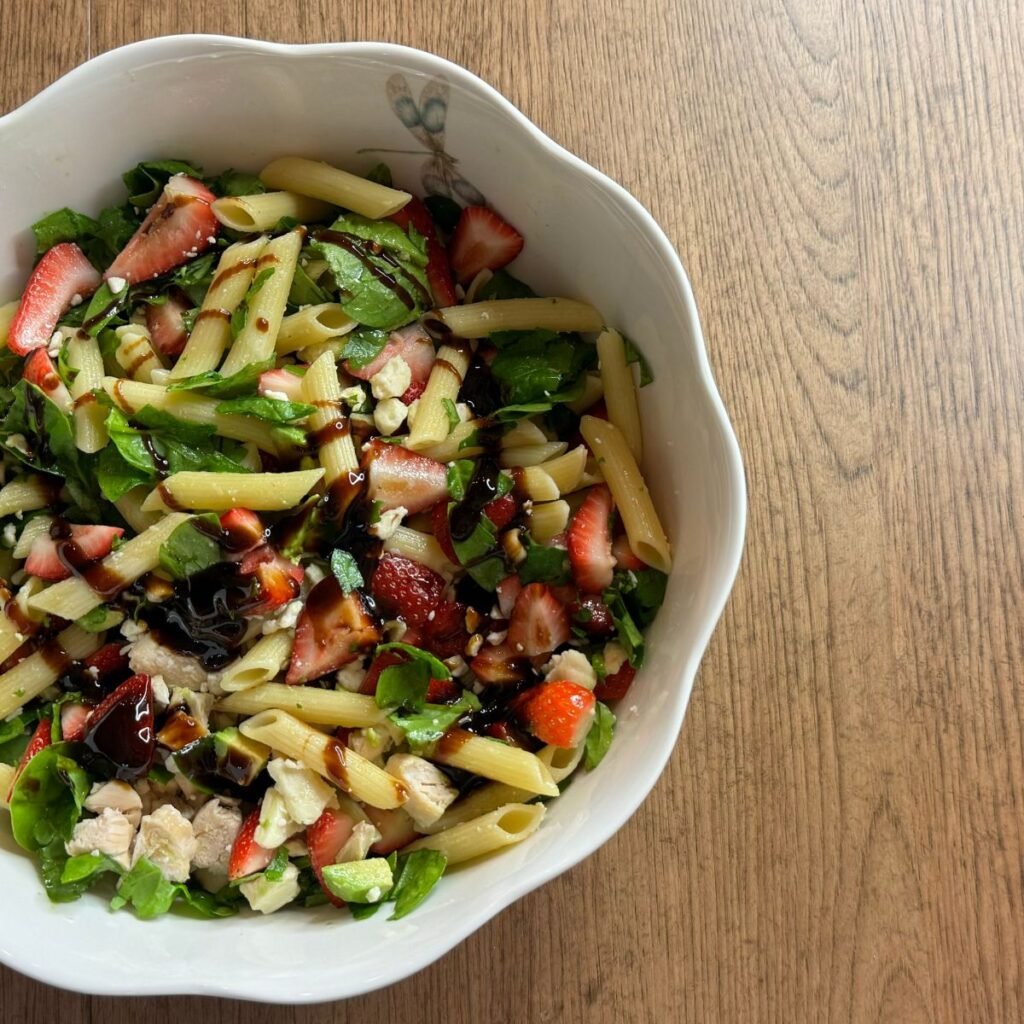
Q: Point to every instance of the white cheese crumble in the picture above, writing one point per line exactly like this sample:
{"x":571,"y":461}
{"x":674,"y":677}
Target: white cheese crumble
{"x":285,"y":619}
{"x":497,"y":636}
{"x":53,"y":348}
{"x":10,"y":535}
{"x":573,"y":667}
{"x":266,"y":895}
{"x":132,"y":630}
{"x":280,"y":396}
{"x":354,"y":397}
{"x":276,"y":824}
{"x":614,"y":657}
{"x":116,"y":285}
{"x":351,"y":677}
{"x":389,"y":415}
{"x":392,"y":380}
{"x":76,"y":299}
{"x":389,"y":522}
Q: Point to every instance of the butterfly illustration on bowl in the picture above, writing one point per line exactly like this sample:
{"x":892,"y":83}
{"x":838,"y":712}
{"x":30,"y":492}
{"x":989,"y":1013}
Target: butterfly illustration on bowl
{"x":425,"y":120}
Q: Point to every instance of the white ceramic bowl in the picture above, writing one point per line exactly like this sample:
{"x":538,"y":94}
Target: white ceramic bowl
{"x":230,"y":102}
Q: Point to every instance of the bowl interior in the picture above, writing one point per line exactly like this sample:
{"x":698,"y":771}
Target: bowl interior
{"x":230,"y":103}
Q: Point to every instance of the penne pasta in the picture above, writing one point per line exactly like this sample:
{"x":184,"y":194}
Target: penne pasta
{"x":43,"y":668}
{"x":561,"y":761}
{"x":263,"y":212}
{"x":480,"y":319}
{"x":567,"y":470}
{"x":480,"y":801}
{"x":37,"y":526}
{"x":535,"y":483}
{"x":218,"y":492}
{"x":322,"y":181}
{"x":500,"y":828}
{"x":329,"y":426}
{"x":326,"y":756}
{"x":90,"y":417}
{"x":26,"y":494}
{"x":420,"y":547}
{"x":261,"y":663}
{"x":130,"y":507}
{"x":335,"y":708}
{"x":431,"y":425}
{"x":313,"y":325}
{"x":620,"y":390}
{"x":531,"y":454}
{"x":593,"y":390}
{"x":632,"y":498}
{"x":494,"y":760}
{"x":135,"y":353}
{"x":547,"y":519}
{"x":212,"y":331}
{"x":255,"y":342}
{"x":72,"y":598}
{"x":457,"y":445}
{"x":525,"y":433}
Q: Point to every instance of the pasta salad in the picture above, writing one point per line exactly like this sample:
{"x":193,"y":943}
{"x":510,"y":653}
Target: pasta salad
{"x":325,"y":552}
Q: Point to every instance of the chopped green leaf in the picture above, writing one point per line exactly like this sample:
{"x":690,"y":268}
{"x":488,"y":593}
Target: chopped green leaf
{"x":192,"y":547}
{"x":276,"y":868}
{"x":482,"y":540}
{"x":418,"y":873}
{"x":47,"y":798}
{"x":451,"y":412}
{"x":14,"y":736}
{"x":403,"y":685}
{"x":273,"y":410}
{"x":104,"y":307}
{"x":145,"y":889}
{"x":63,"y":225}
{"x":445,"y":212}
{"x":305,"y":291}
{"x":212,"y":384}
{"x":428,"y":725}
{"x":362,"y":347}
{"x":346,"y":571}
{"x":543,"y":564}
{"x":102,"y":617}
{"x":489,"y":573}
{"x":380,"y":173}
{"x":599,"y":738}
{"x":146,"y":180}
{"x":460,"y":473}
{"x":503,"y":285}
{"x":438,"y":669}
{"x":634,"y":355}
{"x":237,"y":183}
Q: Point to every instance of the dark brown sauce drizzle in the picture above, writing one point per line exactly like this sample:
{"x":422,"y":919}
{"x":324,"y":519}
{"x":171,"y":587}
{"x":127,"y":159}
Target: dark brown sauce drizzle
{"x":480,"y":391}
{"x":168,"y":499}
{"x":103,"y":581}
{"x":334,"y":762}
{"x":262,"y":324}
{"x":163,"y":467}
{"x":482,"y":488}
{"x":213,"y":314}
{"x":229,"y":272}
{"x":452,"y":742}
{"x":56,"y":658}
{"x":363,"y":250}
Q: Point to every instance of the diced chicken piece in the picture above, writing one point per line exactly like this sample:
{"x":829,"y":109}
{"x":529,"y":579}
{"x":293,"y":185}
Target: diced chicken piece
{"x":573,"y":667}
{"x":215,"y":826}
{"x":153,"y":659}
{"x":166,"y":839}
{"x":276,"y":824}
{"x":364,"y":835}
{"x":266,"y":896}
{"x":430,"y":792}
{"x":614,"y":657}
{"x":304,"y":793}
{"x":118,"y":796}
{"x":110,"y":833}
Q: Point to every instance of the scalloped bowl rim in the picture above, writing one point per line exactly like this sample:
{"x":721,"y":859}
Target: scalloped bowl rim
{"x":189,"y":46}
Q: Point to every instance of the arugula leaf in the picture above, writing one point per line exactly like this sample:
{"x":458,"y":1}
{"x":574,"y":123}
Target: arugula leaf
{"x":196,"y":276}
{"x":14,"y":736}
{"x":634,"y":355}
{"x":273,"y":410}
{"x":100,"y":618}
{"x":554,"y":401}
{"x":237,"y":183}
{"x":362,"y":347}
{"x":503,"y":285}
{"x":542,"y":564}
{"x":64,"y":225}
{"x":403,"y":685}
{"x":451,"y":412}
{"x":104,"y":307}
{"x":305,"y":291}
{"x":146,"y":180}
{"x":428,"y":725}
{"x":346,"y":571}
{"x":418,"y":873}
{"x":489,"y":573}
{"x":482,"y":540}
{"x":438,"y":669}
{"x":445,"y":212}
{"x":116,"y":226}
{"x":380,"y":173}
{"x":599,"y":738}
{"x":460,"y":473}
{"x":190,"y":549}
{"x":212,"y":384}
{"x":534,"y":366}
{"x":47,"y":798}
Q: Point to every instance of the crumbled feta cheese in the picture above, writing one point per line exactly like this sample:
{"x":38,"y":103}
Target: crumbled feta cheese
{"x":215,"y":827}
{"x":573,"y":667}
{"x":374,"y":893}
{"x":111,"y":833}
{"x":389,"y":415}
{"x":211,"y":239}
{"x":392,"y":380}
{"x":132,"y":630}
{"x":285,"y":619}
{"x":266,"y":895}
{"x":429,"y":790}
{"x":161,"y":692}
{"x":53,"y":348}
{"x":116,"y":285}
{"x":76,"y":299}
{"x":276,"y":824}
{"x":117,"y":796}
{"x":350,"y":677}
{"x":389,"y":522}
{"x":304,"y":793}
{"x":364,"y":835}
{"x":18,"y":443}
{"x":497,"y":636}
{"x":166,"y":839}
{"x":614,"y":655}
{"x":280,"y":396}
{"x":354,"y":397}
{"x":314,"y":574}
{"x":10,"y":535}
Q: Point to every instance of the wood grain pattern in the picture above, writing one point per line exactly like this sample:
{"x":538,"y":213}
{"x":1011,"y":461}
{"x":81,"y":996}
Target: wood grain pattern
{"x":839,"y":835}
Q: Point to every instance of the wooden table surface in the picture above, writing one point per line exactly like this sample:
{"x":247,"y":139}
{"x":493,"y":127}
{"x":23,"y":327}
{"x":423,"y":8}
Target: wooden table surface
{"x":839,"y":836}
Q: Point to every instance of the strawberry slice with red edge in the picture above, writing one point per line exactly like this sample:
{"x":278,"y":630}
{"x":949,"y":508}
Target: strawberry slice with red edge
{"x":121,"y":728}
{"x":107,"y":661}
{"x":325,"y":839}
{"x":592,"y":615}
{"x":410,"y":343}
{"x":498,"y":663}
{"x":442,"y":530}
{"x":179,"y":226}
{"x":40,"y":739}
{"x":61,"y":276}
{"x":589,"y":542}
{"x":166,"y":325}
{"x":243,"y":530}
{"x":73,"y":717}
{"x":559,"y":712}
{"x":616,"y":685}
{"x":247,"y":856}
{"x":482,"y":241}
{"x":539,"y":622}
{"x":274,"y":383}
{"x":406,"y":588}
{"x":625,"y":556}
{"x":368,"y":687}
{"x":446,"y":634}
{"x":40,"y":371}
{"x":398,"y":477}
{"x":501,"y":511}
{"x":51,"y":559}
{"x":333,"y":629}
{"x":413,"y":391}
{"x":278,"y":580}
{"x":438,"y":273}
{"x":396,"y":829}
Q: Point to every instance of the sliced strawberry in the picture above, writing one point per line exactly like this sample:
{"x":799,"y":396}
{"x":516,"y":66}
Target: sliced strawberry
{"x":247,"y":856}
{"x":399,"y":477}
{"x":590,"y":546}
{"x":40,"y":371}
{"x":52,"y":559}
{"x":412,"y":344}
{"x":413,"y":391}
{"x":501,"y":511}
{"x":332,"y":630}
{"x":406,"y":589}
{"x":591,"y":614}
{"x":281,"y":382}
{"x":625,"y":557}
{"x":438,"y":274}
{"x":40,"y":739}
{"x":165,"y":324}
{"x":498,"y":663}
{"x":278,"y":580}
{"x":121,"y":728}
{"x":243,"y":531}
{"x":482,"y":241}
{"x":72,"y":721}
{"x":446,"y":634}
{"x":325,"y":838}
{"x":60,"y":276}
{"x":443,"y":691}
{"x":559,"y":712}
{"x":368,"y":686}
{"x":178,"y":227}
{"x":539,"y":622}
{"x":508,"y":591}
{"x":508,"y":733}
{"x":616,"y":686}
{"x":107,"y":661}
{"x":396,"y":829}
{"x":442,"y":531}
